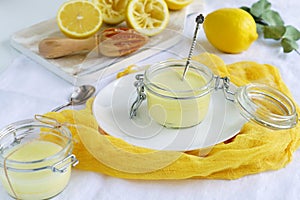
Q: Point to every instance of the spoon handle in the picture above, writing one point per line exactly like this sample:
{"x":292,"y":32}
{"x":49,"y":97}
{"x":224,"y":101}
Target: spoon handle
{"x":199,"y":20}
{"x":61,"y":107}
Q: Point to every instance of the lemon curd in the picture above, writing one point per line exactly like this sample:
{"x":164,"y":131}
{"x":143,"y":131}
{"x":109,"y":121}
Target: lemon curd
{"x":34,"y":184}
{"x":175,"y":102}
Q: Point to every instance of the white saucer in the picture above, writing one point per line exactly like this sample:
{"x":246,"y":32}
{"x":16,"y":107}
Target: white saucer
{"x":111,"y":110}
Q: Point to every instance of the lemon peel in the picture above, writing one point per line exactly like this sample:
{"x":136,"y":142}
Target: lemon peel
{"x":178,"y":4}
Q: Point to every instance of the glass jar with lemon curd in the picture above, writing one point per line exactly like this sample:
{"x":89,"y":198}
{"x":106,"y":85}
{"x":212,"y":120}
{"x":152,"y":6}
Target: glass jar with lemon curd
{"x":35,"y":159}
{"x":176,"y":102}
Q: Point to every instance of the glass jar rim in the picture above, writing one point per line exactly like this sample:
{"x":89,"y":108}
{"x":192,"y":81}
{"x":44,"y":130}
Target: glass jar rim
{"x":194,"y":65}
{"x":27,"y":123}
{"x":247,"y":96}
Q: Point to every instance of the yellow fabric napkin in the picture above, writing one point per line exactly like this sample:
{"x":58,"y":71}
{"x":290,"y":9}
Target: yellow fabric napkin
{"x":253,"y":150}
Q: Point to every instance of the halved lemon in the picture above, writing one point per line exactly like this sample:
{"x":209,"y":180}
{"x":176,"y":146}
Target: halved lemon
{"x":113,"y":11}
{"x":79,"y":19}
{"x":148,"y":17}
{"x":177,"y":4}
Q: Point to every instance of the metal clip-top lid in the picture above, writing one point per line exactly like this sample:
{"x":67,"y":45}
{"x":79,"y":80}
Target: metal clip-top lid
{"x":266,"y":106}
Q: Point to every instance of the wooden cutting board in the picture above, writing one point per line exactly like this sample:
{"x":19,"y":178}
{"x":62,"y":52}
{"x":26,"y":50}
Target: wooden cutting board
{"x":80,"y":66}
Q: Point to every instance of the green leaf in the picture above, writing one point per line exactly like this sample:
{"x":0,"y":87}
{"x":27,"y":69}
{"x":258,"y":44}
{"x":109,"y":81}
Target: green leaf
{"x":260,"y":7}
{"x":274,"y":32}
{"x":272,"y":18}
{"x":272,"y":26}
{"x":258,"y":20}
{"x":288,"y":45}
{"x":245,"y":8}
{"x":291,"y":33}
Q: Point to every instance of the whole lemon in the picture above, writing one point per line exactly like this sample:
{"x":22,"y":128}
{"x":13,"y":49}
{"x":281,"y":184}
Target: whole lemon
{"x":231,"y":30}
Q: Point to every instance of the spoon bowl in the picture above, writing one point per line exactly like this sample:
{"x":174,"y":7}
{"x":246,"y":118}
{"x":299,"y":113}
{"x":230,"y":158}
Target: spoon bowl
{"x":80,"y":95}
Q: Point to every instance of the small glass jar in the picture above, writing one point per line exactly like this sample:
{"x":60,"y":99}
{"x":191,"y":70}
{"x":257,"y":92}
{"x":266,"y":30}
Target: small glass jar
{"x":175,"y":106}
{"x":35,"y":159}
{"x":175,"y":102}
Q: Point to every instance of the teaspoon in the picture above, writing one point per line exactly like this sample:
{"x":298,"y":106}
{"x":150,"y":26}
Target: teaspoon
{"x":80,"y":95}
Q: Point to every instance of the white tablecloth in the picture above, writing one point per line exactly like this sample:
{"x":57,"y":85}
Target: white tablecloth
{"x":26,"y":88}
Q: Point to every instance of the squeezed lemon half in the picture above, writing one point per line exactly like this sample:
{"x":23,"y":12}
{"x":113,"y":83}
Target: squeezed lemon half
{"x":113,"y":11}
{"x":148,"y":17}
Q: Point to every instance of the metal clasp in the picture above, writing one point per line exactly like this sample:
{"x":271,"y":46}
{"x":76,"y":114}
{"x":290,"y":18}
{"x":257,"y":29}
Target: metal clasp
{"x":73,"y":162}
{"x":224,"y":83}
{"x":141,"y":96}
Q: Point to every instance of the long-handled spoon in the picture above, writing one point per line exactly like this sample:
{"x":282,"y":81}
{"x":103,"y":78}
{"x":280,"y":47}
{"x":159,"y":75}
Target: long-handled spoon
{"x":79,"y":96}
{"x":199,"y":20}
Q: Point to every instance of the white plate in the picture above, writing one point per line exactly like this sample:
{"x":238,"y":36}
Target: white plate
{"x":111,"y":110}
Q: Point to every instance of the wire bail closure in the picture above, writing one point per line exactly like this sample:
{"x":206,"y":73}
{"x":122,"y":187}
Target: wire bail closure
{"x":141,"y":96}
{"x":73,"y":162}
{"x":224,"y":84}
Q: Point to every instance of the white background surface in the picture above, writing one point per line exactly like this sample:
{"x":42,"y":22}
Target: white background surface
{"x":27,"y":88}
{"x":16,"y":15}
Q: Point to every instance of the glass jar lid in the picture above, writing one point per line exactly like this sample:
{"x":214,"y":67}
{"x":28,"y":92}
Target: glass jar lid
{"x":266,"y":106}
